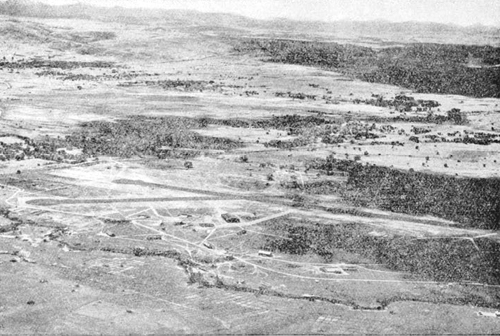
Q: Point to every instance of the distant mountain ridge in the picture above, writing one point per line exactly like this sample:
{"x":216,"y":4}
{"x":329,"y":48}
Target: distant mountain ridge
{"x":404,"y":31}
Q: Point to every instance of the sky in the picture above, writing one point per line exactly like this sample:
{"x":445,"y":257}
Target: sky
{"x":461,"y":12}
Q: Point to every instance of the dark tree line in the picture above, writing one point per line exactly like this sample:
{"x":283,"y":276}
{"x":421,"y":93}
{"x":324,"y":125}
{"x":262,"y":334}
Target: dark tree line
{"x":475,"y":202}
{"x":424,"y":67}
{"x":438,"y":259}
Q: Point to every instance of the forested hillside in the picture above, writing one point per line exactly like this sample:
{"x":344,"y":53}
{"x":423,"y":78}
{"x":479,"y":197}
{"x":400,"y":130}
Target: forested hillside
{"x":425,"y":68}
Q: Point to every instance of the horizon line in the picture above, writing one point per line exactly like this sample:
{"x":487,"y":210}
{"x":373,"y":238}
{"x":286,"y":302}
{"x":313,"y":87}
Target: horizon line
{"x":137,"y":5}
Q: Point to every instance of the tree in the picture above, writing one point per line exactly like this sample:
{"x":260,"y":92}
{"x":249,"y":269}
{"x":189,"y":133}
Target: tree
{"x":456,"y":116}
{"x":13,"y":7}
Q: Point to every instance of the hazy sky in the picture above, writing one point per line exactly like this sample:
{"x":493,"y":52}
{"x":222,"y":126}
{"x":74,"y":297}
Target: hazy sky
{"x":463,"y":12}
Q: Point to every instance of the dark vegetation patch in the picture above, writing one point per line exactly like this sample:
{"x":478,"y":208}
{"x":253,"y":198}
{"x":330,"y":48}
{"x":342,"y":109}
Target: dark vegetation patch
{"x":140,"y":251}
{"x":439,"y":68}
{"x":245,"y":183}
{"x":288,"y":144}
{"x":137,"y":135}
{"x":469,"y":137}
{"x":328,"y":55}
{"x":446,"y":259}
{"x":474,"y":202}
{"x":140,"y":135}
{"x":298,"y":95}
{"x":53,"y":64}
{"x":425,"y":68}
{"x":45,"y":148}
{"x":307,"y":128}
{"x":292,"y":123}
{"x":400,"y":102}
{"x":403,"y":103}
{"x":14,"y":221}
{"x":70,"y":76}
{"x":177,"y":84}
{"x":321,"y":187}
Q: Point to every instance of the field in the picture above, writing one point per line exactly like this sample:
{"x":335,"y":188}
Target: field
{"x":200,"y":173}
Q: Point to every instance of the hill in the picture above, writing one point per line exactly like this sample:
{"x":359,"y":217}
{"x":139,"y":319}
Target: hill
{"x":378,"y":32}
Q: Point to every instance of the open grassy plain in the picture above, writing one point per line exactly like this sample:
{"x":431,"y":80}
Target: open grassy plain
{"x":157,"y":178}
